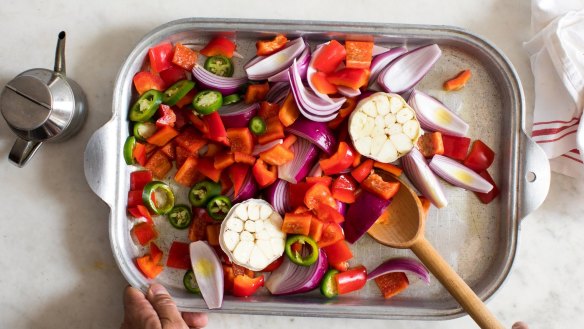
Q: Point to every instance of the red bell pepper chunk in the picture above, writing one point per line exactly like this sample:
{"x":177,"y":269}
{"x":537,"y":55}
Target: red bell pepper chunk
{"x":184,"y":57}
{"x":198,"y":122}
{"x":344,"y":188}
{"x":331,"y":233}
{"x":213,"y":234}
{"x":166,"y":116}
{"x":223,"y":160}
{"x":326,"y":180}
{"x":243,"y":158}
{"x":359,"y":54}
{"x":455,"y":147}
{"x":317,"y":194}
{"x":159,"y":164}
{"x":237,"y":172}
{"x":186,"y":100}
{"x":339,"y":161}
{"x":155,"y":253}
{"x":296,"y":194}
{"x":216,"y":128}
{"x":144,"y":81}
{"x":296,"y":223}
{"x":330,"y":57}
{"x":376,"y":185}
{"x":392,"y":283}
{"x":148,"y":266}
{"x":240,"y":140}
{"x":198,"y":228}
{"x":256,"y":93}
{"x":277,"y":155}
{"x":140,"y":211}
{"x":219,"y":46}
{"x":162,"y":136}
{"x":135,"y":198}
{"x":338,"y":252}
{"x":263,"y":175}
{"x":268,"y":47}
{"x":206,"y":166}
{"x":316,"y":226}
{"x":274,"y":130}
{"x":244,"y":286}
{"x":268,"y":110}
{"x":179,"y":256}
{"x":322,"y":85}
{"x":187,"y":174}
{"x":431,"y":144}
{"x":480,"y":156}
{"x":486,"y":198}
{"x":190,"y":140}
{"x":138,"y":179}
{"x":362,"y":171}
{"x":352,"y":78}
{"x":327,"y":213}
{"x":144,"y":233}
{"x":351,"y":280}
{"x":173,"y":74}
{"x":140,"y":154}
{"x":160,"y":57}
{"x":388,"y":167}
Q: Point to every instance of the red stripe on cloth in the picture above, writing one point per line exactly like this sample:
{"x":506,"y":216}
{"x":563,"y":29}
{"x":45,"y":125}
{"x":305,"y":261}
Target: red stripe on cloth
{"x":555,"y":121}
{"x":575,"y":151}
{"x":572,"y":158}
{"x":556,"y":139}
{"x":551,"y":131}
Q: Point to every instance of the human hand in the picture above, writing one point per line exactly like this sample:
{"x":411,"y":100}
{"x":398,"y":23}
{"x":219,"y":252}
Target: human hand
{"x":520,"y":325}
{"x":156,"y":310}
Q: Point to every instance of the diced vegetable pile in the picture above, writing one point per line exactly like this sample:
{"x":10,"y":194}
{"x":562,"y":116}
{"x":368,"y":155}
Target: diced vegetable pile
{"x":286,"y":167}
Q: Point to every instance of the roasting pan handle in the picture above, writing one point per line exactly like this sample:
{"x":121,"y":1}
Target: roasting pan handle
{"x":534,"y":176}
{"x":100,"y":162}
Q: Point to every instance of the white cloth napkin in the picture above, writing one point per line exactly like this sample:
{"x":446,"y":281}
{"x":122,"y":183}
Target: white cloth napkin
{"x":557,"y":61}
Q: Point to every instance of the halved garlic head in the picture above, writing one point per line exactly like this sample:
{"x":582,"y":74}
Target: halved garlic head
{"x":384,"y":127}
{"x":251,"y":234}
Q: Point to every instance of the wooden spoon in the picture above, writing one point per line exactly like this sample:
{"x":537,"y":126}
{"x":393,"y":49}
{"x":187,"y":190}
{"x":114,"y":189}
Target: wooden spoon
{"x":405,"y":229}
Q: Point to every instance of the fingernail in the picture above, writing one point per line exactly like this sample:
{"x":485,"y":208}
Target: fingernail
{"x":158,"y":289}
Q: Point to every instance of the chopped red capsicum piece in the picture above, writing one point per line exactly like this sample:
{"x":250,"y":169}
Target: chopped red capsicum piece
{"x":243,"y":158}
{"x":376,"y":185}
{"x":297,"y":193}
{"x":392,"y":283}
{"x":431,"y":144}
{"x":455,"y":147}
{"x":331,"y":233}
{"x":352,"y":78}
{"x":216,"y":128}
{"x":339,"y":161}
{"x":344,"y":188}
{"x":160,"y":57}
{"x":274,"y":130}
{"x":166,"y":116}
{"x":135,"y":198}
{"x":159,"y":164}
{"x":144,"y":81}
{"x":388,"y":167}
{"x":237,"y":172}
{"x":162,"y":136}
{"x":173,"y":74}
{"x":268,"y":47}
{"x":486,"y":198}
{"x":140,"y":178}
{"x":362,"y":171}
{"x":289,"y":111}
{"x":317,"y":194}
{"x":140,"y":211}
{"x":206,"y":166}
{"x":155,"y":253}
{"x":190,"y":140}
{"x":351,"y":280}
{"x":187,"y":174}
{"x":359,"y":54}
{"x":264,"y":176}
{"x":277,"y":155}
{"x":179,"y":256}
{"x":148,"y":266}
{"x":240,"y":140}
{"x":184,"y":57}
{"x":327,"y":213}
{"x":322,"y":85}
{"x":244,"y":286}
{"x":315,"y":231}
{"x":256,"y":93}
{"x":140,"y":154}
{"x":219,"y":46}
{"x":268,"y":110}
{"x":297,"y":223}
{"x":480,"y":156}
{"x":144,"y":233}
{"x":338,"y":252}
{"x":326,"y":180}
{"x":330,"y":57}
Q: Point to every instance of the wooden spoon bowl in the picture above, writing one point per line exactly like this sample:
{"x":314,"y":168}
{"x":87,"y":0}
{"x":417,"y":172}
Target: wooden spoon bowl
{"x":404,"y":229}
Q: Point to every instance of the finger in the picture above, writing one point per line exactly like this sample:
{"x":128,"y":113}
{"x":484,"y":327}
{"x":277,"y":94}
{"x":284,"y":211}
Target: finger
{"x":138,"y":312}
{"x":165,"y":307}
{"x":520,"y":325}
{"x":195,"y":320}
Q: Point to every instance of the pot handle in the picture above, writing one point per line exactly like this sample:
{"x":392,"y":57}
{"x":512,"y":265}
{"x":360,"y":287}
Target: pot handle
{"x":100,"y":162}
{"x":534,"y":176}
{"x":22,"y":151}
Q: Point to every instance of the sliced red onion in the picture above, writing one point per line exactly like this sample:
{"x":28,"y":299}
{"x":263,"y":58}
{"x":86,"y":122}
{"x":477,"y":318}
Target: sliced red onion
{"x":402,"y":264}
{"x":238,"y":115}
{"x":277,"y":195}
{"x":303,"y":61}
{"x":290,"y":278}
{"x":316,"y":132}
{"x":278,"y":92}
{"x":311,"y":71}
{"x":315,"y":171}
{"x":349,"y":92}
{"x":378,"y":50}
{"x":304,"y":155}
{"x":407,"y":70}
{"x":259,"y":148}
{"x":341,"y":207}
{"x":362,"y":214}
{"x":208,"y":272}
{"x":459,"y":175}
{"x":310,"y":105}
{"x":435,"y":116}
{"x":249,"y":188}
{"x":423,"y":179}
{"x":272,"y":64}
{"x":208,"y":80}
{"x":380,"y":61}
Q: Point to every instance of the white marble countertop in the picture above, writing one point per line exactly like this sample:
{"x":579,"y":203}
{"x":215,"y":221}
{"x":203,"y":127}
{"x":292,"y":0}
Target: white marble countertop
{"x":57,"y":266}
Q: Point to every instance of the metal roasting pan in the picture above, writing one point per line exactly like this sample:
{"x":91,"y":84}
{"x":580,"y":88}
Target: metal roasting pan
{"x":478,"y":241}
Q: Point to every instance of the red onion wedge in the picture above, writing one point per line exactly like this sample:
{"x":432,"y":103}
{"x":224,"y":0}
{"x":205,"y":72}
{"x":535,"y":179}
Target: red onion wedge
{"x":423,"y":179}
{"x":259,"y":148}
{"x":402,"y":264}
{"x":378,"y":50}
{"x":315,"y":171}
{"x":208,"y":272}
{"x":224,"y":85}
{"x":290,"y":278}
{"x":380,"y":61}
{"x":435,"y":116}
{"x":317,"y":133}
{"x":303,"y":60}
{"x":459,"y":175}
{"x":407,"y":70}
{"x":341,"y":207}
{"x":238,"y":115}
{"x":305,"y":153}
{"x":348,"y":92}
{"x":278,"y":92}
{"x":277,"y":196}
{"x":249,"y":188}
{"x":362,"y":214}
{"x":269,"y":65}
{"x":310,"y":105}
{"x":311,"y":71}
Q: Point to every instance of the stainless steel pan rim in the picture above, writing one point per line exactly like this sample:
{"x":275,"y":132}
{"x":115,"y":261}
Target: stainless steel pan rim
{"x":107,"y":173}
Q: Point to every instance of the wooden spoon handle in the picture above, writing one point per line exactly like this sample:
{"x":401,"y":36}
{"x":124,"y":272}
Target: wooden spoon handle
{"x":455,"y":285}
